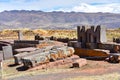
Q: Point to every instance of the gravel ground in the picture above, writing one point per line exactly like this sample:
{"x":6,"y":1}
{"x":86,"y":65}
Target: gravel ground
{"x":92,"y":69}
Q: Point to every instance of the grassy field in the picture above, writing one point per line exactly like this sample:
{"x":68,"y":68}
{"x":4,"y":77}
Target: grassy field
{"x":29,"y":34}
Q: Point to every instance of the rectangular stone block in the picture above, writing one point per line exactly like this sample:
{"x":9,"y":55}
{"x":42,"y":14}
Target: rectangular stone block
{"x":27,"y":41}
{"x":19,"y":56}
{"x":77,"y":45}
{"x":1,"y":55}
{"x":79,"y":63}
{"x":91,"y":52}
{"x":33,"y":60}
{"x":91,"y":45}
{"x":7,"y":52}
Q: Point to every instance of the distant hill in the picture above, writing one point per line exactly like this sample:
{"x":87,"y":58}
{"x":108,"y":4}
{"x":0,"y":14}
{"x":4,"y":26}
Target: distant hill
{"x":55,"y":20}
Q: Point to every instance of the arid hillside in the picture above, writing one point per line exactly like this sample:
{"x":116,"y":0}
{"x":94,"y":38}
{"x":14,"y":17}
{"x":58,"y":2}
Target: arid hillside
{"x":55,"y":20}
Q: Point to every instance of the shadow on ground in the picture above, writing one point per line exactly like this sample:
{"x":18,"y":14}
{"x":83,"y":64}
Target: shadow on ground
{"x":22,"y":68}
{"x":12,"y":65}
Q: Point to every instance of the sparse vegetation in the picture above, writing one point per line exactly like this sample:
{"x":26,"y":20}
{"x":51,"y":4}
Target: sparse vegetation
{"x":113,"y":33}
{"x":29,"y":34}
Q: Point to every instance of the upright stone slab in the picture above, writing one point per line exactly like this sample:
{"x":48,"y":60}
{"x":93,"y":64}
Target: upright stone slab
{"x":20,"y":35}
{"x":1,"y":55}
{"x":78,"y":33}
{"x":7,"y":52}
{"x":101,"y":34}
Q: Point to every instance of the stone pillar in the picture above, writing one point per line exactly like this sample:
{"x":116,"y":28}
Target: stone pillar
{"x":37,"y":37}
{"x":78,"y":33}
{"x":7,"y":52}
{"x":103,"y":37}
{"x":20,"y":35}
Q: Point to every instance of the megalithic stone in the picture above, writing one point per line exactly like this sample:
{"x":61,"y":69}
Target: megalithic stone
{"x":46,"y":56}
{"x":1,"y":56}
{"x":7,"y":52}
{"x":20,"y":35}
{"x":33,"y":60}
{"x":78,"y":33}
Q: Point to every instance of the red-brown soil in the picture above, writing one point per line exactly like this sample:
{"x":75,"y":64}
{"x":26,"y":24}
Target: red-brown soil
{"x":91,"y":69}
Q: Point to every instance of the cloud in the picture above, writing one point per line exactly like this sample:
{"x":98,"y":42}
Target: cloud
{"x":83,"y":7}
{"x":60,"y":5}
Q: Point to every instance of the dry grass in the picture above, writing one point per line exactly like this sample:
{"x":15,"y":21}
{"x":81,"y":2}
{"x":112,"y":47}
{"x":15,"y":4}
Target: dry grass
{"x":29,"y":34}
{"x":113,"y":34}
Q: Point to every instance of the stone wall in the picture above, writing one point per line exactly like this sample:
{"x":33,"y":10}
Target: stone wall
{"x":91,"y":34}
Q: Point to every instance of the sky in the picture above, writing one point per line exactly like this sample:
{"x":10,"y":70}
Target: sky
{"x":112,"y":6}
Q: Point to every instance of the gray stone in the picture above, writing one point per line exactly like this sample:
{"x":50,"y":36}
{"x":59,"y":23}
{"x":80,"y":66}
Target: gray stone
{"x":19,"y":56}
{"x":43,"y":57}
{"x":91,"y":34}
{"x":7,"y":52}
{"x":27,"y":41}
{"x":1,"y":55}
{"x":33,"y":60}
{"x":117,"y":40}
{"x":20,"y":35}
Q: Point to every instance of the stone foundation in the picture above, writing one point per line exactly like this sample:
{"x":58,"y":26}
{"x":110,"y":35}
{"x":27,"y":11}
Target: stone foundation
{"x":91,"y":52}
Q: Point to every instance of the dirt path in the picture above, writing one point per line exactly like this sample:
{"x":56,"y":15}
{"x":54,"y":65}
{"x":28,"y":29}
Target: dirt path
{"x":91,"y":69}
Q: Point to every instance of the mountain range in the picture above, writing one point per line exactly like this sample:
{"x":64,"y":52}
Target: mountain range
{"x":56,"y":19}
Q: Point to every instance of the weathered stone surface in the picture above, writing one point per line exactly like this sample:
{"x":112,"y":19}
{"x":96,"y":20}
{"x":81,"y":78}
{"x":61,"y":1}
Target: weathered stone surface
{"x":1,"y":56}
{"x":92,"y":45}
{"x":113,"y":47}
{"x":19,"y":56}
{"x":92,"y":34}
{"x":27,"y":41}
{"x":33,"y":60}
{"x":79,"y":63}
{"x":117,"y":40}
{"x":54,"y":54}
{"x":20,"y":35}
{"x":67,"y":62}
{"x":113,"y":57}
{"x":35,"y":51}
{"x":61,"y":52}
{"x":74,"y":57}
{"x":23,"y":45}
{"x":92,"y":52}
{"x":28,"y":49}
{"x":7,"y":52}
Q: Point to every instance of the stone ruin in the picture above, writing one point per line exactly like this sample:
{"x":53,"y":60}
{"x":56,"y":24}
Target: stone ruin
{"x":89,"y":37}
{"x":6,"y":51}
{"x":92,"y":42}
{"x":44,"y":55}
{"x":91,"y":34}
{"x":40,"y":57}
{"x":20,"y":35}
{"x":117,"y":40}
{"x":65,"y":40}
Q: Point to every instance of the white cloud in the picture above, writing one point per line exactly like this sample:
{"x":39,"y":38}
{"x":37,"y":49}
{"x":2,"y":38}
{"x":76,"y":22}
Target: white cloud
{"x":60,"y":5}
{"x":83,"y":7}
